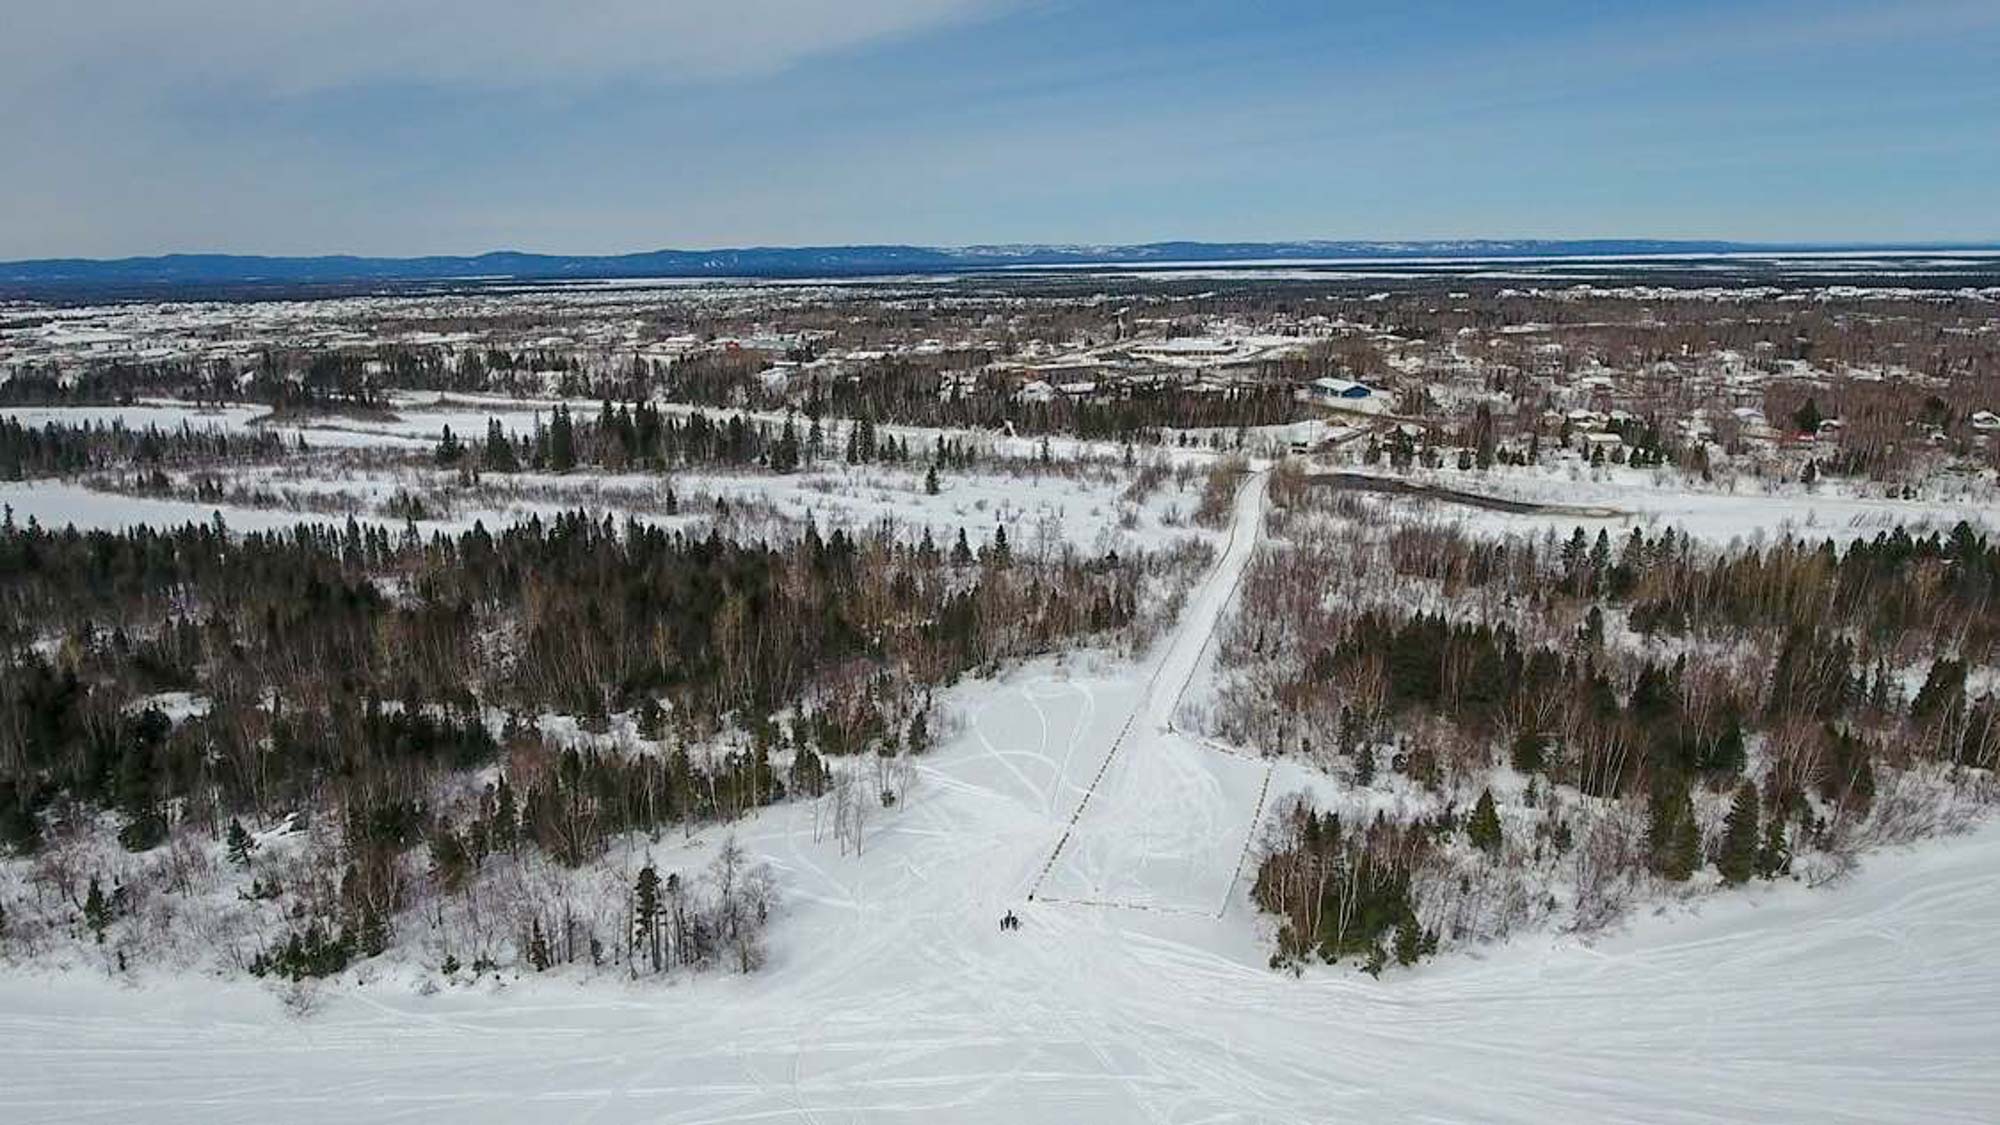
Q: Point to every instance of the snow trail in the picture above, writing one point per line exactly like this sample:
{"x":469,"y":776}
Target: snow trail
{"x":1163,"y":771}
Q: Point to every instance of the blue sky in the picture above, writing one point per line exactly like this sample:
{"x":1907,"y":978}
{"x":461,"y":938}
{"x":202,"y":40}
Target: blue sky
{"x":449,"y":126}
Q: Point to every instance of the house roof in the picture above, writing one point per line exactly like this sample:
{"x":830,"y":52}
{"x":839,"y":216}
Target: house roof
{"x":1341,"y":386}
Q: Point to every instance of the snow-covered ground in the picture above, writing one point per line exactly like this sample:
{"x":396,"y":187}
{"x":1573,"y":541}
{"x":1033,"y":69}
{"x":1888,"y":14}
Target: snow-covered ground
{"x":1872,"y":1002}
{"x":892,"y":995}
{"x":1656,"y":499}
{"x":1078,"y":505}
{"x":1195,"y":806}
{"x":1087,"y":509}
{"x":57,"y":503}
{"x":417,"y":419}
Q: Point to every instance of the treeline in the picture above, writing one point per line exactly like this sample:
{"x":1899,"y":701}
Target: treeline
{"x":1893,"y":593}
{"x":946,"y":393}
{"x":54,"y":449}
{"x":641,"y":435}
{"x":117,"y":383}
{"x":954,"y":392}
{"x":923,"y":395}
{"x":284,"y":379}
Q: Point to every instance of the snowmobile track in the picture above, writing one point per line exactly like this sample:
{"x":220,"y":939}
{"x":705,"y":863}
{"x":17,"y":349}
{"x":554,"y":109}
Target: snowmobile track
{"x":1166,"y":658}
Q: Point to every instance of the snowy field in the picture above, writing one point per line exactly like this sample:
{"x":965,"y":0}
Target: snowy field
{"x":1080,"y":505}
{"x":1656,"y":499}
{"x":893,"y":996}
{"x":1037,"y":509}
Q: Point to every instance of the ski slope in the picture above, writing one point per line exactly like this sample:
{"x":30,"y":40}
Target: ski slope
{"x":892,"y":995}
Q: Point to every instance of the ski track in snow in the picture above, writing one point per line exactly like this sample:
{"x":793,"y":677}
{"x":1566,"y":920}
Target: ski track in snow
{"x":892,"y":995}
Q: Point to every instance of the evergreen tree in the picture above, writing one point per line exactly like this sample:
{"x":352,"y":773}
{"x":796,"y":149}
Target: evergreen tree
{"x":931,"y":481}
{"x":1807,"y":417}
{"x":1482,"y":429}
{"x":1483,"y":827}
{"x":1943,"y":695}
{"x":1600,"y":559}
{"x":808,"y":773}
{"x":449,"y":449}
{"x":1574,"y":550}
{"x":239,"y":843}
{"x":646,"y":911}
{"x":20,"y":829}
{"x":1529,"y":752}
{"x":538,"y":948}
{"x":785,"y":458}
{"x":1591,"y":635}
{"x":372,"y":932}
{"x":562,"y":441}
{"x":1738,"y":858}
{"x":506,"y":819}
{"x":146,"y":830}
{"x":1673,"y":839}
{"x":1409,"y":942}
{"x":96,"y":910}
{"x":1774,"y":856}
{"x":961,"y":552}
{"x":499,"y":450}
{"x":1726,"y":754}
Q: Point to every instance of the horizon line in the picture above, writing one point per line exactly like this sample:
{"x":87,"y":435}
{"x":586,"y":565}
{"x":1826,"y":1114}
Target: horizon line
{"x":1050,"y":247}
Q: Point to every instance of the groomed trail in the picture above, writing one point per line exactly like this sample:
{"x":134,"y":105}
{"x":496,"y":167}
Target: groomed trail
{"x":893,"y":996}
{"x":1160,"y":826}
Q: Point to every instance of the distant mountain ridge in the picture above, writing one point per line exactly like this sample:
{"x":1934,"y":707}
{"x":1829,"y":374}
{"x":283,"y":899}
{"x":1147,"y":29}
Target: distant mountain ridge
{"x":811,"y":261}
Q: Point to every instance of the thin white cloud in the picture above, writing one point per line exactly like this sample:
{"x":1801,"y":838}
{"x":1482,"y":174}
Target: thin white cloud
{"x":298,"y":46}
{"x":121,"y":112}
